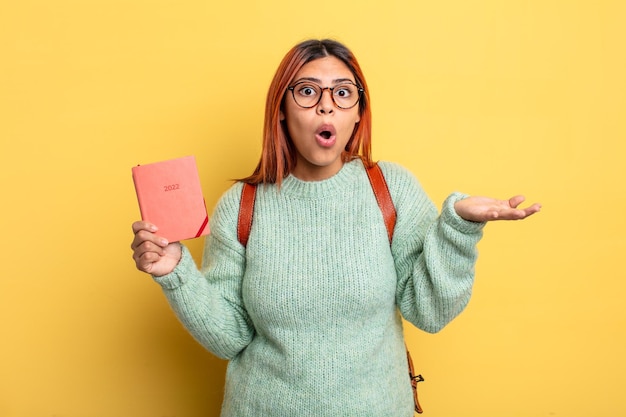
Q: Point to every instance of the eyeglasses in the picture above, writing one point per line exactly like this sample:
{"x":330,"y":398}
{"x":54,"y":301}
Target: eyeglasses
{"x":307,"y":94}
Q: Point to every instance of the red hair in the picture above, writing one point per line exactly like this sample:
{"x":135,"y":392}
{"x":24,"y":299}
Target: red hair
{"x":278,"y":157}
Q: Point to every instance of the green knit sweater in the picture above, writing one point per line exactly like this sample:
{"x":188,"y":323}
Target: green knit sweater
{"x":309,"y":313}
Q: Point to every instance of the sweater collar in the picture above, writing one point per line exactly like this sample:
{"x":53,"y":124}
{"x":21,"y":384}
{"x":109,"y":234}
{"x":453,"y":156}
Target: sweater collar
{"x":295,"y":187}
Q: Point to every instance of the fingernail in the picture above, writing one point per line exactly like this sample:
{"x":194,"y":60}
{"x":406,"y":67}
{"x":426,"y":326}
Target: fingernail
{"x":164,"y":242}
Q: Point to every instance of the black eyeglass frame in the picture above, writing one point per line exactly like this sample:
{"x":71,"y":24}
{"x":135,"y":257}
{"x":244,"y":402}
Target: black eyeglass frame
{"x":332,"y":96}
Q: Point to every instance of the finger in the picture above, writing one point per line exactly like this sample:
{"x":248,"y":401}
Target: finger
{"x":143,"y":258}
{"x":145,"y":262}
{"x":535,"y":208}
{"x":520,"y":214}
{"x":516,"y":201}
{"x":144,"y":236}
{"x":141,"y":225}
{"x":147,"y":255}
{"x":148,"y":247}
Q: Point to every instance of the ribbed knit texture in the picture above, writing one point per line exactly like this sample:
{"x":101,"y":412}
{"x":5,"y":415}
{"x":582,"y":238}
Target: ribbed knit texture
{"x":308,"y":313}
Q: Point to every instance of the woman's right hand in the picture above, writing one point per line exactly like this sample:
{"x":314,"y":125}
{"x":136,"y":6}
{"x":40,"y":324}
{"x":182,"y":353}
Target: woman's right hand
{"x":153,"y":254}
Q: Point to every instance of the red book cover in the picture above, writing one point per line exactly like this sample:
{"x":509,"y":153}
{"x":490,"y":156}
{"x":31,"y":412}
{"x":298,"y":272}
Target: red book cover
{"x":170,"y":197}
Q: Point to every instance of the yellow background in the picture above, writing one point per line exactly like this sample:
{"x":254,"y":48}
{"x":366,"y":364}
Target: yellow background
{"x":486,"y":97}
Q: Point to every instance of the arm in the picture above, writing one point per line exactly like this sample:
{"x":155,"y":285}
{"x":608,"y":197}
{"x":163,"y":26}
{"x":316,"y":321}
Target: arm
{"x":435,"y":255}
{"x":208,"y":302}
{"x":435,"y":258}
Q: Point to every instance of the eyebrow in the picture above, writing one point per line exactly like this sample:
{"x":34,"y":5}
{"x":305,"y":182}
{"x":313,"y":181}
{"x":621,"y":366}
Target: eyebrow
{"x":318,"y":81}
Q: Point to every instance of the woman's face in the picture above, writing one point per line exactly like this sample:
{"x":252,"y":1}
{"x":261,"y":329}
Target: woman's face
{"x":319,"y":133}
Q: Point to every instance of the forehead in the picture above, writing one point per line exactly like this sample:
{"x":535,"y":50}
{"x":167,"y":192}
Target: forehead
{"x":328,"y":69}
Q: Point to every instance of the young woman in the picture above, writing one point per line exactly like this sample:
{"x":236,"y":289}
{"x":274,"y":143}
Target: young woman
{"x":309,"y":311}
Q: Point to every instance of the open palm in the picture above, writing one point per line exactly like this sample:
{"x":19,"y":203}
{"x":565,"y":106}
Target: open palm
{"x":484,"y":209}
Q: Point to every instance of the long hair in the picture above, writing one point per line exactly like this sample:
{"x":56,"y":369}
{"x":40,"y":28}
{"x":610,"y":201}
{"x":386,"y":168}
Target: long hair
{"x":278,"y":156}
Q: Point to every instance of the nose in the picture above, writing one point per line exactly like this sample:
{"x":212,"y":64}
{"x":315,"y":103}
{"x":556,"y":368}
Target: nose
{"x":326,"y":104}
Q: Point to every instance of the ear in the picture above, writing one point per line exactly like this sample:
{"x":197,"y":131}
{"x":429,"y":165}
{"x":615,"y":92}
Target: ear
{"x":281,"y":117}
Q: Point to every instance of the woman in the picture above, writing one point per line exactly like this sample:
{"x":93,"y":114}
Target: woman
{"x":309,"y":311}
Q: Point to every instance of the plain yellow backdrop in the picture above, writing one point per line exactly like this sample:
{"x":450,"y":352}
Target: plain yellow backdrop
{"x":485,"y":97}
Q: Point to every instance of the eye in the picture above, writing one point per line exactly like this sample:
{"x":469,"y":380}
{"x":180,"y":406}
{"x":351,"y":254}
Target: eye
{"x":307,"y":90}
{"x":344,"y":91}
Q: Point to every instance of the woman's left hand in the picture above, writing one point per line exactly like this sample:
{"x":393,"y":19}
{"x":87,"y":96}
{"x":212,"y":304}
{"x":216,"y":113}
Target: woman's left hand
{"x":484,"y":209}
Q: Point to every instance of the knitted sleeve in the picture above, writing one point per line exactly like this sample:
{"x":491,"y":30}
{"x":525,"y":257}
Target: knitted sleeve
{"x":434,"y":254}
{"x":209,"y":302}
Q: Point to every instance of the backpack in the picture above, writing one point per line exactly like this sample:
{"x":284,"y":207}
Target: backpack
{"x":383,"y":198}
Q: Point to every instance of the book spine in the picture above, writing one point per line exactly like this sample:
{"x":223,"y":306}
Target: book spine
{"x":139,"y":193}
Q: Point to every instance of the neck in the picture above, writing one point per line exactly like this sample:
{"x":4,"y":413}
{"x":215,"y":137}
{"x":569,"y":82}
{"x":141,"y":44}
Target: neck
{"x":308,"y":172}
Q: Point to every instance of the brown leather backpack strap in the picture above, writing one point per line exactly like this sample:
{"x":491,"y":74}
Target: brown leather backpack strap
{"x":383,"y":198}
{"x":246,"y":209}
{"x":414,"y":380}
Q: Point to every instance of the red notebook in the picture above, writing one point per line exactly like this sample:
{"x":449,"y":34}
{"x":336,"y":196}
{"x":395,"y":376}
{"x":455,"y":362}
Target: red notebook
{"x":170,"y":196}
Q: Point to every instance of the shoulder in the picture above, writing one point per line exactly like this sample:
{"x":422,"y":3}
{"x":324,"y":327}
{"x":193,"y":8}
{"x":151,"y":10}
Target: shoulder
{"x":229,"y":200}
{"x":406,"y":191}
{"x":394,"y":169}
{"x":399,"y":179}
{"x":223,"y":220}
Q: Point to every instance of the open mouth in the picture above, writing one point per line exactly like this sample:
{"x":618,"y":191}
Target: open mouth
{"x":326,"y":131}
{"x":326,"y":135}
